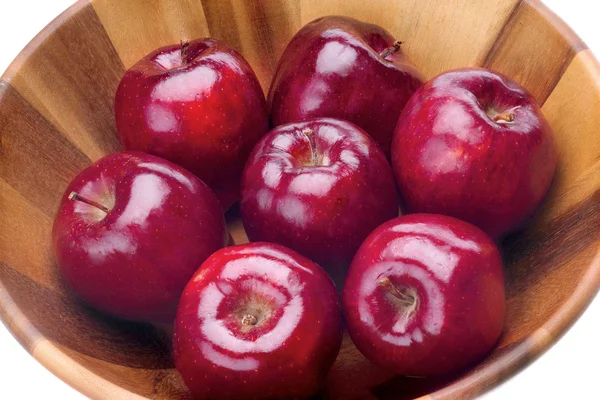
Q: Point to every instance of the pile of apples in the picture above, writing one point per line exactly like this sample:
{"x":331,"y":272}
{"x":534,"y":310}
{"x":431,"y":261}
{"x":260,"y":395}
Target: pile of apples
{"x":356,"y":134}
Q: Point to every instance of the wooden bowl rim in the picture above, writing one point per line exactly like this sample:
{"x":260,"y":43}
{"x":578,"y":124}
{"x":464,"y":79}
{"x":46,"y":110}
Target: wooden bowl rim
{"x":491,"y":375}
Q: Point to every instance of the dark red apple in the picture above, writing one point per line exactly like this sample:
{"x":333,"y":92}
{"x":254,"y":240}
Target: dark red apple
{"x":319,"y":187}
{"x":342,"y":68}
{"x":198,"y":105}
{"x":257,"y":321}
{"x":131,"y":231}
{"x":425,"y":295}
{"x":474,"y":145}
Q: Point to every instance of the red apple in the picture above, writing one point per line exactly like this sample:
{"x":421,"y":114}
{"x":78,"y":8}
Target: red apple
{"x":474,"y":145}
{"x":342,"y":68}
{"x":257,"y":321}
{"x":319,"y":187}
{"x":198,"y":105}
{"x":424,"y":295}
{"x":131,"y":231}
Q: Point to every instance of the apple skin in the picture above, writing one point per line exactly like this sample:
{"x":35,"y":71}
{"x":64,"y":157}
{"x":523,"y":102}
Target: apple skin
{"x":284,"y":352}
{"x":134,"y":261}
{"x":454,"y":271}
{"x":198,"y":105}
{"x":450,"y":157}
{"x":333,"y":68}
{"x":322,"y":210}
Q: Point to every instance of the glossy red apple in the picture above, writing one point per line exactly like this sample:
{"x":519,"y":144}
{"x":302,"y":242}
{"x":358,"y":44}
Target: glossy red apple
{"x":131,"y":231}
{"x":425,"y":295}
{"x":319,"y":187}
{"x":342,"y":68}
{"x":257,"y":321}
{"x":474,"y":145}
{"x":198,"y":105}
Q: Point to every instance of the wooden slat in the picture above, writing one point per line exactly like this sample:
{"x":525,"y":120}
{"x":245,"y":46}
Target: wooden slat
{"x":545,"y":264}
{"x":573,"y":111}
{"x":437,"y":35}
{"x":137,"y":27}
{"x":70,"y":74}
{"x":14,"y":320}
{"x":534,"y":48}
{"x":259,"y":30}
{"x":25,"y":239}
{"x":35,"y":158}
{"x":153,"y":382}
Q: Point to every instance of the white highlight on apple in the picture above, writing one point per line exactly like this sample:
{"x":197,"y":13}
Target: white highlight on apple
{"x":178,"y":176}
{"x":249,"y":268}
{"x":110,"y":243}
{"x":188,"y":85}
{"x":293,"y":210}
{"x":161,"y":119}
{"x":317,"y":183}
{"x":148,"y":192}
{"x":225,"y":361}
{"x":440,"y":232}
{"x":426,"y":252}
{"x":336,"y":58}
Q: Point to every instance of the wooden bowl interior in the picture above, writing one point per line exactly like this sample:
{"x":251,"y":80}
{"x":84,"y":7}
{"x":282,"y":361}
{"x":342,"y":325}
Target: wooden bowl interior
{"x":56,"y":117}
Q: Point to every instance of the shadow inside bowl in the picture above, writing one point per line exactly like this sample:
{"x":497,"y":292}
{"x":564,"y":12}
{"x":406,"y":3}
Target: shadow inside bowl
{"x":68,"y":322}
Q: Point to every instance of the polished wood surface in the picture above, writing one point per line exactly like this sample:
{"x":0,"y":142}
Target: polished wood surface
{"x":56,"y":117}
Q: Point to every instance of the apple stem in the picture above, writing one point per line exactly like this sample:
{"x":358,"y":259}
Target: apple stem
{"x":311,"y":141}
{"x":393,"y":290}
{"x":249,"y":319}
{"x":391,"y":50}
{"x":506,"y":117}
{"x":76,"y":196}
{"x":184,"y":49}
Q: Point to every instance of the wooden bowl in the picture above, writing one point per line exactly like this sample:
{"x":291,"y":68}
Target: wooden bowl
{"x":56,"y":117}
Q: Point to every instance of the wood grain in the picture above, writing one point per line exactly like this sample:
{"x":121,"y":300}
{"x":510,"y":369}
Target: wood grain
{"x":25,"y":227}
{"x":534,"y":48}
{"x":56,"y":117}
{"x":137,"y":27}
{"x":70,"y":73}
{"x":35,"y":168}
{"x":259,"y":30}
{"x":572,"y":110}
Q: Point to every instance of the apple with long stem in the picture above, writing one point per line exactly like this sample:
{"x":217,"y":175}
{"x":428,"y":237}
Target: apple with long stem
{"x":339,"y":67}
{"x":199,"y":105}
{"x":425,"y":295}
{"x":130,"y":232}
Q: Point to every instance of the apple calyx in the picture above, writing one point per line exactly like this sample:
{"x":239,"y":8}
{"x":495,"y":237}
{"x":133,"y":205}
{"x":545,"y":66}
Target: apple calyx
{"x":249,"y":319}
{"x":407,"y":298}
{"x":253,"y":312}
{"x":391,"y":50}
{"x":74,"y":196}
{"x":313,"y":147}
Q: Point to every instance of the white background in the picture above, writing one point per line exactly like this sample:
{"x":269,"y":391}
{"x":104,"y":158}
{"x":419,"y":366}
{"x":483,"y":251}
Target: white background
{"x":569,"y":370}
